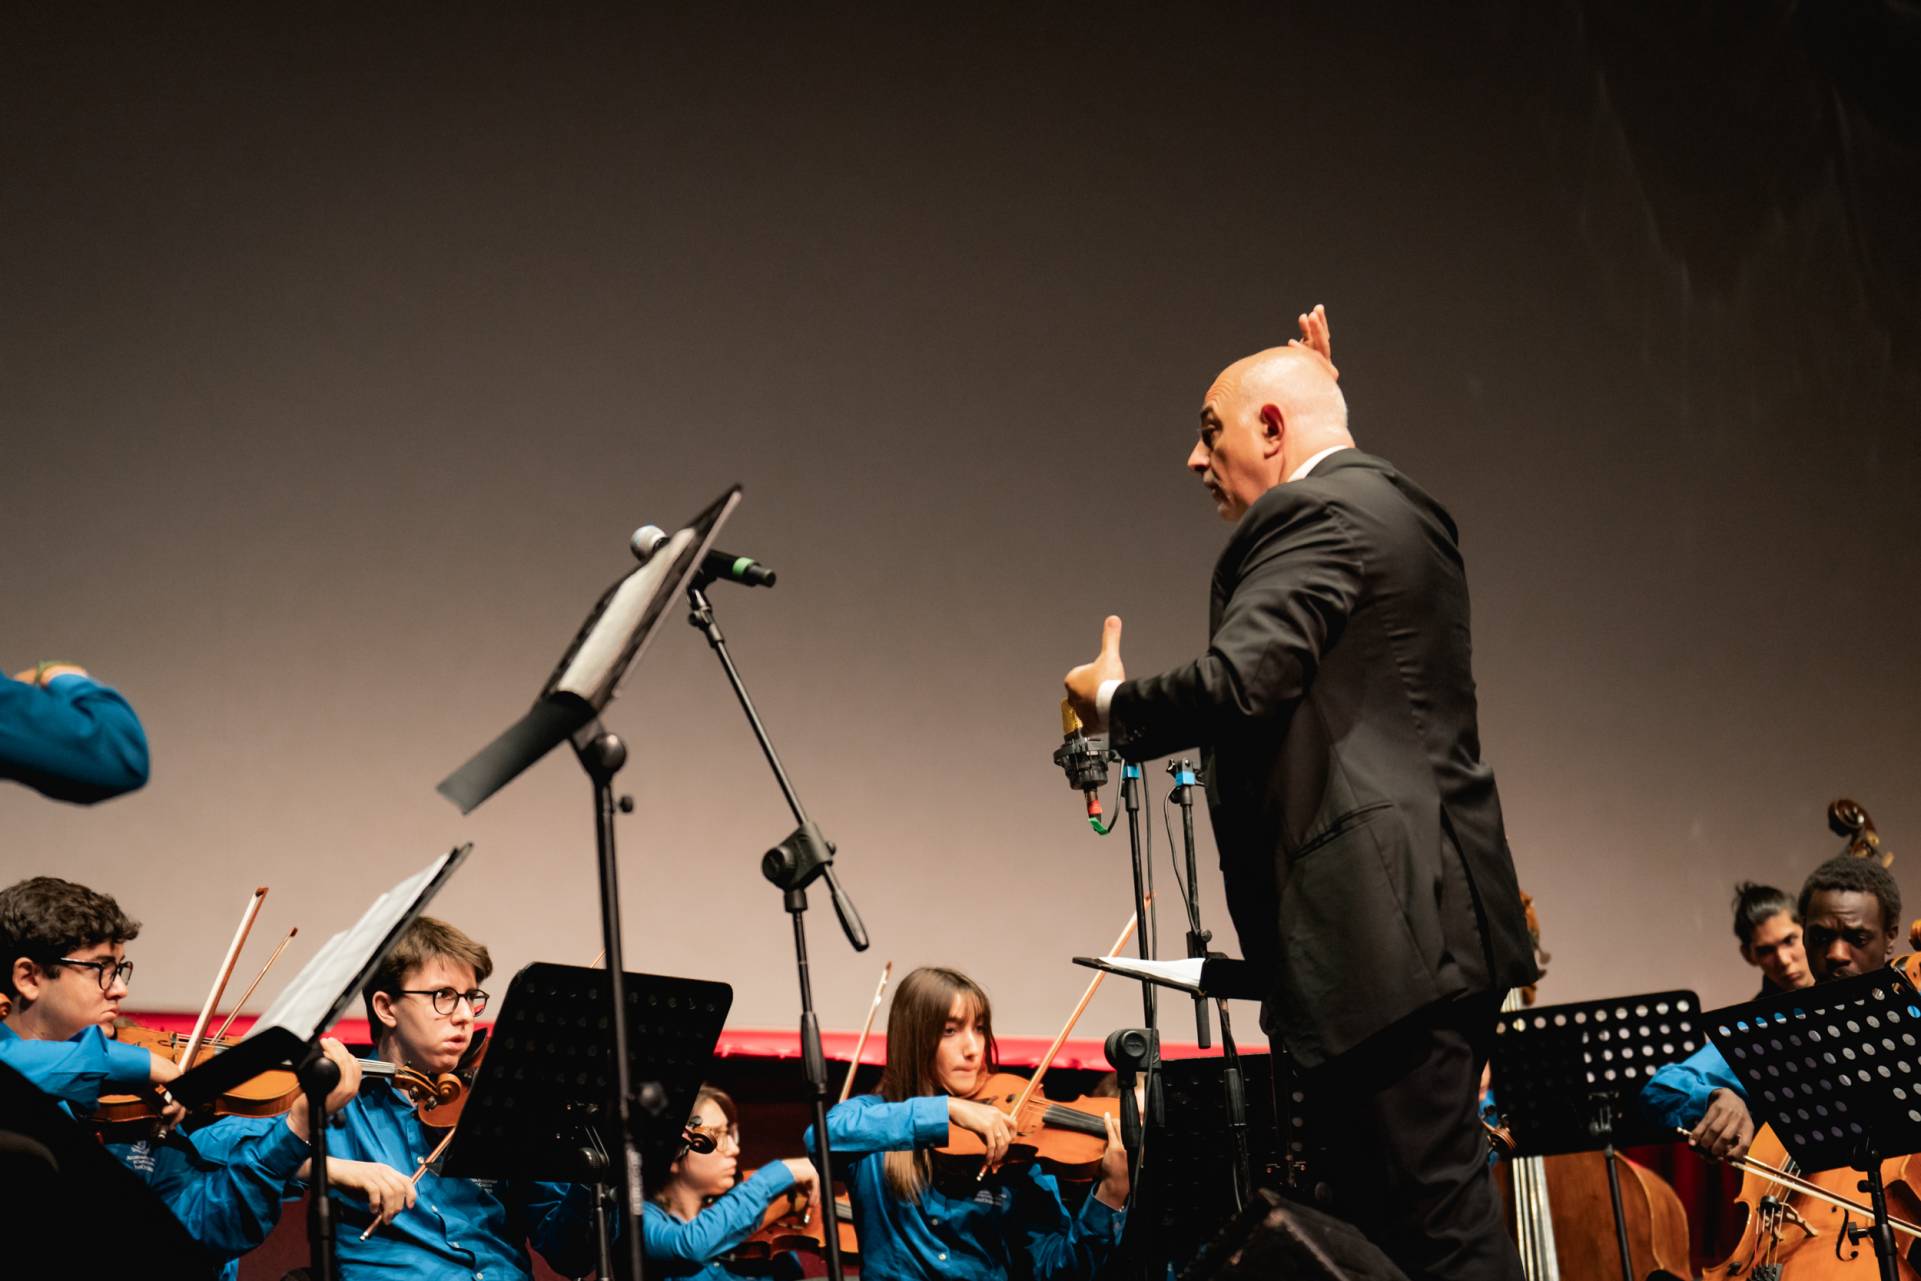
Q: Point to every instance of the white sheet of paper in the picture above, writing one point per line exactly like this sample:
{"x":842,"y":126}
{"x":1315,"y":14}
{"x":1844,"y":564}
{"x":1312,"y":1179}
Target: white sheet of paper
{"x":1186,"y":971}
{"x":591,"y":672}
{"x":303,"y":1005}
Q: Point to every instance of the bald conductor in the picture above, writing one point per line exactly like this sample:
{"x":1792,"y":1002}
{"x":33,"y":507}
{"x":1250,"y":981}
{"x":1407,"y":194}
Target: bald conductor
{"x":1360,"y":833}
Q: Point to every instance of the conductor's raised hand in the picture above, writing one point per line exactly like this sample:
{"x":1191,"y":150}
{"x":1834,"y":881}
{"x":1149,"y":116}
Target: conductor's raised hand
{"x":1316,"y":337}
{"x":1084,"y":682}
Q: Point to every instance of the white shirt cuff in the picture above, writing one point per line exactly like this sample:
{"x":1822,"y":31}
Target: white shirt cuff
{"x":1103,"y":698}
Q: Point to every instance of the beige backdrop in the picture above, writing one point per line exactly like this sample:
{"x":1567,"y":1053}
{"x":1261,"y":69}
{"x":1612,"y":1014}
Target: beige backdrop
{"x":340,"y":360}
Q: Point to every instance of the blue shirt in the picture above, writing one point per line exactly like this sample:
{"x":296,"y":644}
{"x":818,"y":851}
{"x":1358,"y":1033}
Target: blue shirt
{"x":471,"y":1228}
{"x":76,"y":1071}
{"x":1677,"y":1095}
{"x":73,"y":739}
{"x":675,"y":1247}
{"x":227,"y":1201}
{"x":1012,"y":1224}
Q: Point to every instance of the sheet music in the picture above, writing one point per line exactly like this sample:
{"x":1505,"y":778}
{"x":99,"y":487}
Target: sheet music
{"x":306,"y":1005}
{"x":591,"y":672}
{"x":1185,"y":972}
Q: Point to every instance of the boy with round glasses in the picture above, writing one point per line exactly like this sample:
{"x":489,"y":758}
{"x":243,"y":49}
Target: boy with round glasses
{"x":63,"y":967}
{"x":421,"y":1004}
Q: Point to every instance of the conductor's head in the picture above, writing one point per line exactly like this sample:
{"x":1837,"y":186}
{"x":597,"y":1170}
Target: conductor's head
{"x":1265,"y":415}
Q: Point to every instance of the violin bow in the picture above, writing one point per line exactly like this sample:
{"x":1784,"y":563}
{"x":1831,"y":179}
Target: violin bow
{"x":245,"y":996}
{"x":1093,"y":986}
{"x":225,"y":972}
{"x":419,"y":1170}
{"x":847,"y":1085}
{"x":1781,"y":1178}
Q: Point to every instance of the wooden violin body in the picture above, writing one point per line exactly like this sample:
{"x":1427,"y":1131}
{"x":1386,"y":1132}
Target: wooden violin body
{"x":1577,"y":1242}
{"x":802,"y":1228}
{"x":1069,"y":1139}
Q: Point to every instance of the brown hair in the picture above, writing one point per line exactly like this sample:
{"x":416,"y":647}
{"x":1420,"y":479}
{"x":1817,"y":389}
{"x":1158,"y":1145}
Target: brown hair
{"x":661,"y":1176}
{"x":43,"y":918}
{"x":915,"y":1021}
{"x":427,"y":939}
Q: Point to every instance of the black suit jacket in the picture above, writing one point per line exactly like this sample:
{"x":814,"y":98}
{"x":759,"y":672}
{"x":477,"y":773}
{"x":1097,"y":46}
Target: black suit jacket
{"x":1359,"y":830}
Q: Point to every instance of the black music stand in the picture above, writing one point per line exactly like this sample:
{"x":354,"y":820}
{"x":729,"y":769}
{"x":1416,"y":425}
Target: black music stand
{"x":1213,"y":978}
{"x":568,"y":708}
{"x":1567,"y":1078}
{"x":1835,"y":1070}
{"x":540,"y":1106}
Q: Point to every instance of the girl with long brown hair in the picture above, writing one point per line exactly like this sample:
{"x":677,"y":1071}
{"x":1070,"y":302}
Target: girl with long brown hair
{"x":1012,"y":1222}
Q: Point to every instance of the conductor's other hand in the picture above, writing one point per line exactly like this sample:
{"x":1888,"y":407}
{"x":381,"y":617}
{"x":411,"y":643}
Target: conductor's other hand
{"x":1316,"y":338}
{"x":1084,"y":682}
{"x":1727,"y":1128}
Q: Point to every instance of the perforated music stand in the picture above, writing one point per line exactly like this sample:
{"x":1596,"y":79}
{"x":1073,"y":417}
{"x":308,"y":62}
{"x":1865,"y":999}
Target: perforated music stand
{"x":548,"y":1072}
{"x":1568,"y":1077}
{"x":1835,"y":1071}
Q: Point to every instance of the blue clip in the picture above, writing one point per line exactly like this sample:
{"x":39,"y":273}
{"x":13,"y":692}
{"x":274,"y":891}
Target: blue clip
{"x":1130,"y":770}
{"x":1185,"y":778}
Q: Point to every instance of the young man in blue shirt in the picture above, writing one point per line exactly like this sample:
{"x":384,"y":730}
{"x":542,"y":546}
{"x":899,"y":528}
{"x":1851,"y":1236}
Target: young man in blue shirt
{"x":63,"y":948}
{"x":421,"y":1006}
{"x":1850,"y":909}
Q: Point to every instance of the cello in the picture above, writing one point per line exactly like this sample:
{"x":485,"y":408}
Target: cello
{"x":1560,"y":1209}
{"x":1795,"y":1226}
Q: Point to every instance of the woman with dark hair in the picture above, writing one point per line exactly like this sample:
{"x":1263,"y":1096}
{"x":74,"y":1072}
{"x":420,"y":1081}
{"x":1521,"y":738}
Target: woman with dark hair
{"x":699,"y":1214}
{"x":1012,"y":1221}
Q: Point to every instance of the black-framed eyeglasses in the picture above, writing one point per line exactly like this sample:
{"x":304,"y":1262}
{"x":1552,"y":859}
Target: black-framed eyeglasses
{"x":445,"y":998}
{"x":108,"y":972}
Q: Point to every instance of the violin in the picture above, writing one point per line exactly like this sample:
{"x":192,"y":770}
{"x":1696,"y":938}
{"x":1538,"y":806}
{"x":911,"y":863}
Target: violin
{"x":438,"y":1099}
{"x":789,"y":1224}
{"x":1068,"y":1138}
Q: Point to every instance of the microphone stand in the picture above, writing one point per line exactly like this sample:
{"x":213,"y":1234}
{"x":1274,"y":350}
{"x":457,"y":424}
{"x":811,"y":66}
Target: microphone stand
{"x":1197,"y":938}
{"x":805,"y":856}
{"x":1232,"y":1086}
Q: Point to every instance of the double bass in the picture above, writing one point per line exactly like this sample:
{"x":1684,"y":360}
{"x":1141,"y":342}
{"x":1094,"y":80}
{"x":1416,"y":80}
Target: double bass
{"x":1560,"y":1209}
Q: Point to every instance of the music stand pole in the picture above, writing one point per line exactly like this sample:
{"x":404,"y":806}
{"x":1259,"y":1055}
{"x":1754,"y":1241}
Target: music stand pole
{"x":318,"y":1076}
{"x":1603,"y":1125}
{"x":1143,"y":886}
{"x":792,"y":865}
{"x":602,"y":754}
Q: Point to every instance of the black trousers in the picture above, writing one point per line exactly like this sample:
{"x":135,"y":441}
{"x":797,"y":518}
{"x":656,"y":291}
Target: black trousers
{"x":1394,"y":1131}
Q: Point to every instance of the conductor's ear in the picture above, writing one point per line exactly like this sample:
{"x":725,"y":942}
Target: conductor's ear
{"x":1273,"y":425}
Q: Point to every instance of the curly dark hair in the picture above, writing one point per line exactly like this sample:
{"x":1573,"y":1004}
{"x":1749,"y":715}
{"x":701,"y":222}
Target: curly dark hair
{"x":1845,"y":873}
{"x":43,"y":918}
{"x":1754,"y":904}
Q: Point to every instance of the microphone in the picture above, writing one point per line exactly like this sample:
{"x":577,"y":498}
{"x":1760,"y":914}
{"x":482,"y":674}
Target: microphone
{"x":1084,"y":764}
{"x":726,"y":566}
